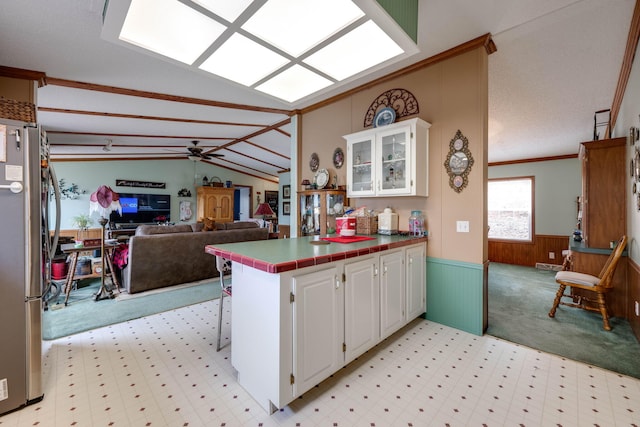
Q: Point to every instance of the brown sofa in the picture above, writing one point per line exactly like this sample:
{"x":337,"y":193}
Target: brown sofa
{"x":161,"y":256}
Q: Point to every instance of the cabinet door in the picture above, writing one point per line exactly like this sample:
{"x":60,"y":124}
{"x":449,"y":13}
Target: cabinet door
{"x":317,"y":327}
{"x":362,"y":307}
{"x":360,"y":170}
{"x":392,"y":293}
{"x":394,"y":174}
{"x":416,"y":287}
{"x":310,"y":208}
{"x":224,"y":204}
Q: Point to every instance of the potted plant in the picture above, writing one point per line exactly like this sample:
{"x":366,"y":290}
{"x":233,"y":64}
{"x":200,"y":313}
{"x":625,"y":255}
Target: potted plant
{"x":82,"y":221}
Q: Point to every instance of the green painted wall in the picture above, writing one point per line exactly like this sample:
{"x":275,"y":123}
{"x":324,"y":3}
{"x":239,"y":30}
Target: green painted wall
{"x":405,"y":13}
{"x":455,"y":294}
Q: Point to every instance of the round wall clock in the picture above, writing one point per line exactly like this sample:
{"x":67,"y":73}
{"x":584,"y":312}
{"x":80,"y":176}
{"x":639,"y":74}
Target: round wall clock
{"x":314,"y":162}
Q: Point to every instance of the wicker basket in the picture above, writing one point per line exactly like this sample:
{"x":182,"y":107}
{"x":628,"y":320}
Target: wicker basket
{"x":216,"y":182}
{"x":366,"y":224}
{"x":17,"y":110}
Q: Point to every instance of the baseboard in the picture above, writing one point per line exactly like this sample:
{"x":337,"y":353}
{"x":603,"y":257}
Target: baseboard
{"x":550,"y":267}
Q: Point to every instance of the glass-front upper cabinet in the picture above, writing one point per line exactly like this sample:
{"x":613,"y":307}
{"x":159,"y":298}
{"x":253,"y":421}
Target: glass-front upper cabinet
{"x":390,"y":160}
{"x":360,"y":155}
{"x":319,"y":209}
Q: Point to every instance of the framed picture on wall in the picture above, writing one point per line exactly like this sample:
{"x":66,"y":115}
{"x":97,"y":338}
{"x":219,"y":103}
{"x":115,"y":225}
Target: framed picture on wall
{"x":271,"y":197}
{"x":286,"y":208}
{"x":286,"y":192}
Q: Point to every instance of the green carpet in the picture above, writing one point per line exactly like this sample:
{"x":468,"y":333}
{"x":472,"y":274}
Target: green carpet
{"x":84,"y":313}
{"x":519,"y":303}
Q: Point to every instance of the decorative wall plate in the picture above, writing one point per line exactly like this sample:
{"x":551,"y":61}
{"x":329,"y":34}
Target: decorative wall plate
{"x":459,"y":161}
{"x":314,"y":162}
{"x":322,"y":178}
{"x":338,"y":158}
{"x":386,"y":116}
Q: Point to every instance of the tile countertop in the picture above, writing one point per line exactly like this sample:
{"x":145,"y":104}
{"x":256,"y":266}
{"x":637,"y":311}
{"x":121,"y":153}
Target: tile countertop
{"x":280,"y":255}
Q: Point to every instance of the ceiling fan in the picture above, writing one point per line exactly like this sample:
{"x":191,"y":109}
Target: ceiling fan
{"x":196,"y":154}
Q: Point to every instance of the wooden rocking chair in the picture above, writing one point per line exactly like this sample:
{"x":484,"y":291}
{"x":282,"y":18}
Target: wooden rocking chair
{"x":599,"y":285}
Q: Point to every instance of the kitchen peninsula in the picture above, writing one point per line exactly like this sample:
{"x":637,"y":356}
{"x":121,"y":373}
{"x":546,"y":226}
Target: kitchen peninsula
{"x":303,"y":308}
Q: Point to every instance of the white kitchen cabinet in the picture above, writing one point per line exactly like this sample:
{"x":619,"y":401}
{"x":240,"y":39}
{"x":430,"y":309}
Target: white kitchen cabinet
{"x":389,"y":161}
{"x":362,"y":307}
{"x":294,"y":328}
{"x":392,"y":293}
{"x":415,"y":281}
{"x":318,"y":327}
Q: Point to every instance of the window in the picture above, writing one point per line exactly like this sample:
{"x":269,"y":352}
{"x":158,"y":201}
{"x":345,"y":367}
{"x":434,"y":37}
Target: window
{"x":510,"y":204}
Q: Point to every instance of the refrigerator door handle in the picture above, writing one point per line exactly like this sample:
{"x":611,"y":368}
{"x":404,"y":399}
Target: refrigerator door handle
{"x":56,"y":191}
{"x":15,"y":187}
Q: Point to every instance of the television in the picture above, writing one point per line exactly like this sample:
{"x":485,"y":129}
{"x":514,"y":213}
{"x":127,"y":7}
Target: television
{"x":138,"y":208}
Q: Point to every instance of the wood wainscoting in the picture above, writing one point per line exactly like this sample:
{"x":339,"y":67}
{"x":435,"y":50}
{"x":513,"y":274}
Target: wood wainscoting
{"x":633,"y":295}
{"x":529,"y":253}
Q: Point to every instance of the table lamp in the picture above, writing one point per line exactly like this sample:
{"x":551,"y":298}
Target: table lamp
{"x":104,"y":201}
{"x":265,"y":211}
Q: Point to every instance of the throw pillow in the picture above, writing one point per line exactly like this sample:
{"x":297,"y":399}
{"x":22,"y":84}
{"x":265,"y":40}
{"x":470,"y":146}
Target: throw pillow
{"x":209,"y":224}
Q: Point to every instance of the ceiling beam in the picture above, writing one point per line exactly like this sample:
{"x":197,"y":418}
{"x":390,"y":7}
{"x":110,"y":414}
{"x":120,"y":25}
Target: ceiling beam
{"x":20,"y":73}
{"x":141,"y":117}
{"x":162,"y":96}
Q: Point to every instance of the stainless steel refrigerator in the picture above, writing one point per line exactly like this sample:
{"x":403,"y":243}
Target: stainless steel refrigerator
{"x":26,"y":248}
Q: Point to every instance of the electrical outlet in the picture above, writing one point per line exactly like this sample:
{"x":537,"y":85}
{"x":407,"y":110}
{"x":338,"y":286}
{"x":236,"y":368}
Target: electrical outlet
{"x":637,"y":309}
{"x":552,"y":255}
{"x":462,"y":226}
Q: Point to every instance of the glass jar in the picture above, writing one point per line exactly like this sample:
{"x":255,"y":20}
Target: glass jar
{"x":416,"y":223}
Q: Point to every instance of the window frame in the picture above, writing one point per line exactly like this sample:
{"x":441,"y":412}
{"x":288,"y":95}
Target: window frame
{"x":531,"y":239}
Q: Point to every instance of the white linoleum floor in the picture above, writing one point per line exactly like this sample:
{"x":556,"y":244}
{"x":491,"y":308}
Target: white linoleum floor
{"x":163,"y":370}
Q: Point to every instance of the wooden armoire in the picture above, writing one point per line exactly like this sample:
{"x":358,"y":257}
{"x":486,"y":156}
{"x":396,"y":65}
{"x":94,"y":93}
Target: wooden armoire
{"x":215,"y":203}
{"x":604,"y":219}
{"x":604,"y":173}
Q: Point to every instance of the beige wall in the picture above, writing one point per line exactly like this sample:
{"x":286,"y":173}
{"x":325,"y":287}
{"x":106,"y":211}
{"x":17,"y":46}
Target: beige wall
{"x":18,"y":89}
{"x":452,"y":95}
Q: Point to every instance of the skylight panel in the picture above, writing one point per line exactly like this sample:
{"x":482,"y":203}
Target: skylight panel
{"x":364,"y":47}
{"x":227,"y":9}
{"x":243,"y":61}
{"x":294,"y":83}
{"x":169,"y":28}
{"x":306,"y":22}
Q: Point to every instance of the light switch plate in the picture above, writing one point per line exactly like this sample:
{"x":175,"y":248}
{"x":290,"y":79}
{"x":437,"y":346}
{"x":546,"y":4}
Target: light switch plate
{"x":462,"y":226}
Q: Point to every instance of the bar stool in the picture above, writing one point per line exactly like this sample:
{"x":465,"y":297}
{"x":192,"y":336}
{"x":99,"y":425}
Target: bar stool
{"x":223,"y":266}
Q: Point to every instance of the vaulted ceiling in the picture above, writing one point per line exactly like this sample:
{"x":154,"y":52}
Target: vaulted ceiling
{"x":557,"y":62}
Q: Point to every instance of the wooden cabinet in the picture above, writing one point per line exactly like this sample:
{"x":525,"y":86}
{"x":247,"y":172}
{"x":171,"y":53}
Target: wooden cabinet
{"x":215,"y":203}
{"x":389,"y":161}
{"x":604,"y":172}
{"x":318,"y":211}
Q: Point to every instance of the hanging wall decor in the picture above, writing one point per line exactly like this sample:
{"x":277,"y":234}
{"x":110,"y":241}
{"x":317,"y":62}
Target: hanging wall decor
{"x":399,"y":100}
{"x":459,"y":161}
